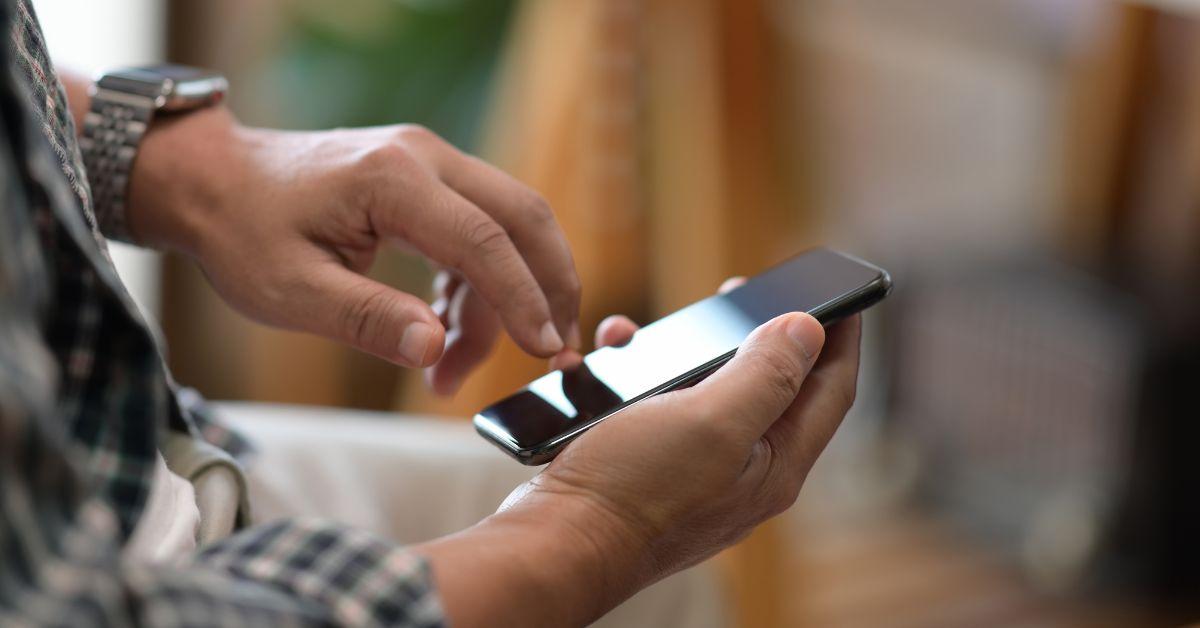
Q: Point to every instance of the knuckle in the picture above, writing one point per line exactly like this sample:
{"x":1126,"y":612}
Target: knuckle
{"x":782,"y":488}
{"x":719,"y":432}
{"x":415,"y":133}
{"x":361,"y":318}
{"x":482,"y":239}
{"x":785,"y":495}
{"x":385,"y":158}
{"x":536,"y":209}
{"x":377,"y":170}
{"x":572,"y":285}
{"x":567,"y":288}
{"x":781,"y":374}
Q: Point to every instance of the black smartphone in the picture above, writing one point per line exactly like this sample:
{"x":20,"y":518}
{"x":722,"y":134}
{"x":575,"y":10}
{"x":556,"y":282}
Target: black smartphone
{"x":535,"y":423}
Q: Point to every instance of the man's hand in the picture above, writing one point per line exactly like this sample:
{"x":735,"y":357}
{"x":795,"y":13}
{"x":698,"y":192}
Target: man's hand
{"x":284,"y":224}
{"x":690,"y":472}
{"x":660,"y":486}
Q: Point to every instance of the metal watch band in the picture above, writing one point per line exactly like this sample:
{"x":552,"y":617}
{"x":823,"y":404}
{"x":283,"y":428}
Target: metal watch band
{"x":112,"y":131}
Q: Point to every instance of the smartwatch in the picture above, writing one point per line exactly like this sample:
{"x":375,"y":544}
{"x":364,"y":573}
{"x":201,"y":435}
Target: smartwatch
{"x":124,"y":102}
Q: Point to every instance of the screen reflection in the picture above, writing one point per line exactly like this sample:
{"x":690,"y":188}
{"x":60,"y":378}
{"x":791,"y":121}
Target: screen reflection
{"x":661,"y":353}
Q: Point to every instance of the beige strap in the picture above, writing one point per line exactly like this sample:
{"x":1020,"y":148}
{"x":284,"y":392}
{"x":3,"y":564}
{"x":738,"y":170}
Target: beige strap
{"x":219,"y":482}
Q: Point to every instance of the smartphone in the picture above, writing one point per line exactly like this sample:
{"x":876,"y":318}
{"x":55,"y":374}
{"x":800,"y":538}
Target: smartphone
{"x":535,"y":423}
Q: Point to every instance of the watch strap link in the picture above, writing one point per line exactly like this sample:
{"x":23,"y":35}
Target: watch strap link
{"x":112,"y":131}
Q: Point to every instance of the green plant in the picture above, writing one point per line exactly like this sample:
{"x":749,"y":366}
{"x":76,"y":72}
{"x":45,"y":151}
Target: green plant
{"x":364,"y":62}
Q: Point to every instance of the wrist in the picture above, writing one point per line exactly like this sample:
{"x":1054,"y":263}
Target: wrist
{"x":177,"y":181}
{"x":573,"y":538}
{"x":552,"y":560}
{"x":78,"y":99}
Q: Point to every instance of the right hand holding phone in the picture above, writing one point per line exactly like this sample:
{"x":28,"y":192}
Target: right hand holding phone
{"x":678,"y":477}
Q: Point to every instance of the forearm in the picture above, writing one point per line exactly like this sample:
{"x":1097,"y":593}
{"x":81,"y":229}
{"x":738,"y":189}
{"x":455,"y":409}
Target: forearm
{"x":560,"y":564}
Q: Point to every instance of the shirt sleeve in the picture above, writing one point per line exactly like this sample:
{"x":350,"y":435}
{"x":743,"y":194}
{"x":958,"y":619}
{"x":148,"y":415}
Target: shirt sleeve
{"x":61,"y":563}
{"x":60,"y":556}
{"x":47,"y":99}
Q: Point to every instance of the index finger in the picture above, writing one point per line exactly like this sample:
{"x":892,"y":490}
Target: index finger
{"x":530,"y":223}
{"x":454,"y":232}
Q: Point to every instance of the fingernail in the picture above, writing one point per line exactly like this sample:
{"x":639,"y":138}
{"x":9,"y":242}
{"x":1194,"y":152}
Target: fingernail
{"x":551,"y":341}
{"x":574,"y":339}
{"x":414,"y":344}
{"x":807,"y":335}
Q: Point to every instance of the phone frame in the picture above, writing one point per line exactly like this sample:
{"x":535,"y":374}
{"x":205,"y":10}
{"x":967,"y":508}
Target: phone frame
{"x":827,"y":314}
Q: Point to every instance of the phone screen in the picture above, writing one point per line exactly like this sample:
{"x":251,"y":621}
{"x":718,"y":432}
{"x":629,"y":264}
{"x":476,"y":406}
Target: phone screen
{"x":675,"y":350}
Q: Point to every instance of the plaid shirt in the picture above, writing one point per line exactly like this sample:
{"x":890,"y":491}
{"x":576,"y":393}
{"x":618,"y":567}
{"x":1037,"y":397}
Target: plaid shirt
{"x":86,"y":402}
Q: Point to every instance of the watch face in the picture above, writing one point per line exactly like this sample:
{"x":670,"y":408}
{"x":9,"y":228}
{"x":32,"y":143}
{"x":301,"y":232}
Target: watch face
{"x":173,"y":87}
{"x":178,"y":73}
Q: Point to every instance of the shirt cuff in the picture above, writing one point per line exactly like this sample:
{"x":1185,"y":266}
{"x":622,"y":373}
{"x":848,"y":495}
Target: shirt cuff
{"x":361,"y":579}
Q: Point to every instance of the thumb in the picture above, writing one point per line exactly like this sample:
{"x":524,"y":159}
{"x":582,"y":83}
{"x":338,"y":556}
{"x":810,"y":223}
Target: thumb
{"x":372,"y":317}
{"x":764,"y":377}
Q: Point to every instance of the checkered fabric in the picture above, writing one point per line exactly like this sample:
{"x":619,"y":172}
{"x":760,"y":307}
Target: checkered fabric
{"x":86,"y":402}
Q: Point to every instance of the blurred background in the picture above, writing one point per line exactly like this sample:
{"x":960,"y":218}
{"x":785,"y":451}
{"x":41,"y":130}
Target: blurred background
{"x":1024,"y":448}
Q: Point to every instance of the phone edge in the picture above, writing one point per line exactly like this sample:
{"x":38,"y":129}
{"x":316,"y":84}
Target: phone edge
{"x":827,"y":314}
